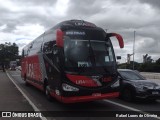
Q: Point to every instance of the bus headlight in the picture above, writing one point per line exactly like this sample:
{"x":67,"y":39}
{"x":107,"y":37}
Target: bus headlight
{"x":116,"y":84}
{"x":67,"y":87}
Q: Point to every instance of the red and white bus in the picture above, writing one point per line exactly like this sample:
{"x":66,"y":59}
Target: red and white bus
{"x":72,"y":62}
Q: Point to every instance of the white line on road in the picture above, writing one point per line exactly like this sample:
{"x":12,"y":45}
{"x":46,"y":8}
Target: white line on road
{"x":15,"y":75}
{"x":30,"y":102}
{"x":129,"y":108}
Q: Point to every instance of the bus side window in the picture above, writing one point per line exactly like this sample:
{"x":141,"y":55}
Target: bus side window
{"x":48,"y":43}
{"x":48,"y":47}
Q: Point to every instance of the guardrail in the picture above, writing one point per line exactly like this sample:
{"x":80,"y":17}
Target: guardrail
{"x":150,"y":75}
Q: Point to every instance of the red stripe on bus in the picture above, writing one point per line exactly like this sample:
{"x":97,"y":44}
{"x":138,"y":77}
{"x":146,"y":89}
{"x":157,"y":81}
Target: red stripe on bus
{"x":84,"y":98}
{"x":82,"y":80}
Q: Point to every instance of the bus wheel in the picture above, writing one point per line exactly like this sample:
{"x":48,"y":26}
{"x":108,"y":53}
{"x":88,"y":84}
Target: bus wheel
{"x":47,"y":92}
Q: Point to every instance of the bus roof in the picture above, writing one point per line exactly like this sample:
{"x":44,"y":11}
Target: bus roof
{"x":73,"y":24}
{"x":77,"y":23}
{"x":68,"y":24}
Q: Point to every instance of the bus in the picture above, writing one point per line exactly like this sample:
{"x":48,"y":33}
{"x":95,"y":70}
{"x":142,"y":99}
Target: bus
{"x":73,"y":61}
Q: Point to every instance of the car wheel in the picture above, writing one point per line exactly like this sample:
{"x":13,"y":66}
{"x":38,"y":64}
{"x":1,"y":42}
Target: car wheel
{"x":127,"y":95}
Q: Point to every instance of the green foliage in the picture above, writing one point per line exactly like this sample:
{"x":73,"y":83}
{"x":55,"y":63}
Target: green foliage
{"x":150,"y":67}
{"x":158,"y":61}
{"x":8,"y":52}
{"x":129,"y":66}
{"x":143,"y":67}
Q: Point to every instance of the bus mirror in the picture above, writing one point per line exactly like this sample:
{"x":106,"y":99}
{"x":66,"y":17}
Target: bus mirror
{"x":118,"y":57}
{"x":119,"y":38}
{"x":59,"y":38}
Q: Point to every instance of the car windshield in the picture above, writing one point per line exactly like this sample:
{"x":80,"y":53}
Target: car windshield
{"x":131,"y":75}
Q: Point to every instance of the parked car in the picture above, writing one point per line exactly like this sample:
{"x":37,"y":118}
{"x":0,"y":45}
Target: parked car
{"x":134,"y":86}
{"x":18,"y":68}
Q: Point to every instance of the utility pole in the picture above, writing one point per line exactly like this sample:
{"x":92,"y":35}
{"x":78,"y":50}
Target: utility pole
{"x":134,"y":48}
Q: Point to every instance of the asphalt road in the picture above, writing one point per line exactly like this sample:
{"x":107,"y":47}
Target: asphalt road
{"x":11,"y":99}
{"x":34,"y":99}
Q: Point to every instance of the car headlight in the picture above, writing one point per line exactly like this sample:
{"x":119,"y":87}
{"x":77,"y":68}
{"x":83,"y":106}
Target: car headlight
{"x":143,"y":86}
{"x":139,"y":86}
{"x":157,"y":87}
{"x":67,"y":87}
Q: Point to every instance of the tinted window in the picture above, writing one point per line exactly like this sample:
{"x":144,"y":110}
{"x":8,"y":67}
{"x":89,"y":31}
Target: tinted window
{"x":87,"y":48}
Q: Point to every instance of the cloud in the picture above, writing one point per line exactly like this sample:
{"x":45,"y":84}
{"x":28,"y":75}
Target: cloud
{"x":3,"y":27}
{"x":153,"y":3}
{"x":23,"y":20}
{"x":84,"y":9}
{"x":148,"y":45}
{"x":34,"y":30}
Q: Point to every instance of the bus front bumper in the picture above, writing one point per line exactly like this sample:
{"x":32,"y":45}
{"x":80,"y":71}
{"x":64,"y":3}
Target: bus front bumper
{"x":92,"y":97}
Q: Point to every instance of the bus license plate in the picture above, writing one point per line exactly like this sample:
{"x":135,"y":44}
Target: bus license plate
{"x":155,"y":93}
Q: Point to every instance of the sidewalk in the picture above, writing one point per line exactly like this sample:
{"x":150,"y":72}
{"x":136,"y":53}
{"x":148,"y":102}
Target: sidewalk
{"x":11,"y":99}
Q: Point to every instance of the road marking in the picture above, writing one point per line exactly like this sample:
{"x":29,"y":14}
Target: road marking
{"x":15,"y":75}
{"x":30,"y":102}
{"x":129,"y":108}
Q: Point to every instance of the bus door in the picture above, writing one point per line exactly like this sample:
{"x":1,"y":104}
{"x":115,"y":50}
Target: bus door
{"x":51,"y":60}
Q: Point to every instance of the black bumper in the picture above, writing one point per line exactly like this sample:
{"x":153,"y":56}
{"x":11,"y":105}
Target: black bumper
{"x":149,"y":94}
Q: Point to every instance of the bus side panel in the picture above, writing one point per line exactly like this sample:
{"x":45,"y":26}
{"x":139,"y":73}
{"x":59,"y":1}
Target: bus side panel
{"x":31,"y":68}
{"x":42,"y":66}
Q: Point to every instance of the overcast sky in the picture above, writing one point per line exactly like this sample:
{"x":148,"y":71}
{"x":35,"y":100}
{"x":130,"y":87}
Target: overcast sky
{"x":21,"y":21}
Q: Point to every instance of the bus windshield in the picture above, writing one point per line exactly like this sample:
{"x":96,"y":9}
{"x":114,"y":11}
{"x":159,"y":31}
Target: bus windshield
{"x":88,"y":56}
{"x":87,"y":53}
{"x":88,"y":50}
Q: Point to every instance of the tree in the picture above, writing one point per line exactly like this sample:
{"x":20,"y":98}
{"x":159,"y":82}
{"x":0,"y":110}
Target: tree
{"x":129,"y":66}
{"x":158,"y":61}
{"x":8,"y":52}
{"x":143,"y":67}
